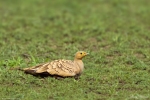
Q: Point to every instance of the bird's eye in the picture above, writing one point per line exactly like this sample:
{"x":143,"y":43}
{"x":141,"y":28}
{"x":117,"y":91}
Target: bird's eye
{"x":81,"y":53}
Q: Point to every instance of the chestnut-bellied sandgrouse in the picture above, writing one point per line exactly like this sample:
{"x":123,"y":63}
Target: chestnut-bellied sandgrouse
{"x":62,"y":68}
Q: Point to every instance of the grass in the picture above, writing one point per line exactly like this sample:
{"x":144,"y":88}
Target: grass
{"x":115,"y":32}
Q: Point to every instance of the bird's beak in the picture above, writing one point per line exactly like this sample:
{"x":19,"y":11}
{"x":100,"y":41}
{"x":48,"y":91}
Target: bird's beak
{"x":87,"y":54}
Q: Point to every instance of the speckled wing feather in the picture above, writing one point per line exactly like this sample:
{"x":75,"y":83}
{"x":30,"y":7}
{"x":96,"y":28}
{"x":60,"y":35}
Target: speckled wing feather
{"x":57,"y":67}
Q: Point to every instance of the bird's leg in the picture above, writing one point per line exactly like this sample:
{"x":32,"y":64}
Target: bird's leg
{"x":76,"y":77}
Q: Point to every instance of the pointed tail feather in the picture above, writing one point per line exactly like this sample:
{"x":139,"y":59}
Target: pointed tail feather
{"x":26,"y":70}
{"x":30,"y":71}
{"x":17,"y":68}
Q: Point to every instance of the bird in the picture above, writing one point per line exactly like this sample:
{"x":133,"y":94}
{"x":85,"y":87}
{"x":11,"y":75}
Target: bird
{"x":61,"y":68}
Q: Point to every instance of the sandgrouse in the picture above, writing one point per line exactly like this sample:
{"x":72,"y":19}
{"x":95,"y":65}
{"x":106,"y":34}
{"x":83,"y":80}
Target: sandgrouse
{"x":62,"y":68}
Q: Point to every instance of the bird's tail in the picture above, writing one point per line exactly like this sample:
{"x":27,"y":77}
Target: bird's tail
{"x":17,"y":68}
{"x":30,"y":71}
{"x":26,"y":70}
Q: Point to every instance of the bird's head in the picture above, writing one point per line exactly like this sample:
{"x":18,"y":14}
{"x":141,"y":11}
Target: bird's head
{"x":80,"y":54}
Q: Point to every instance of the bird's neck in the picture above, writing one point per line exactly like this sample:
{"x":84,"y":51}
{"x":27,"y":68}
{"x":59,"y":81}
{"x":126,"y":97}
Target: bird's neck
{"x":80,"y":64}
{"x":78,"y":60}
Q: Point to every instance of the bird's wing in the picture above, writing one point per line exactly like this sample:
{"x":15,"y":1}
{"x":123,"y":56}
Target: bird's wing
{"x":57,"y":67}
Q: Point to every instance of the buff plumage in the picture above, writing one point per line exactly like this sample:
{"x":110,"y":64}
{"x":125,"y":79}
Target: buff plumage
{"x":63,"y":68}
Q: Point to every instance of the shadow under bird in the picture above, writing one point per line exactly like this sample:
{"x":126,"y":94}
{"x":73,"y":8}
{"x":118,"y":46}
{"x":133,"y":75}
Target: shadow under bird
{"x":62,"y":68}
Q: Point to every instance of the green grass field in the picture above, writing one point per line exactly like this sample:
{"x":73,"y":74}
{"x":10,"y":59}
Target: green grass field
{"x":116,"y":33}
